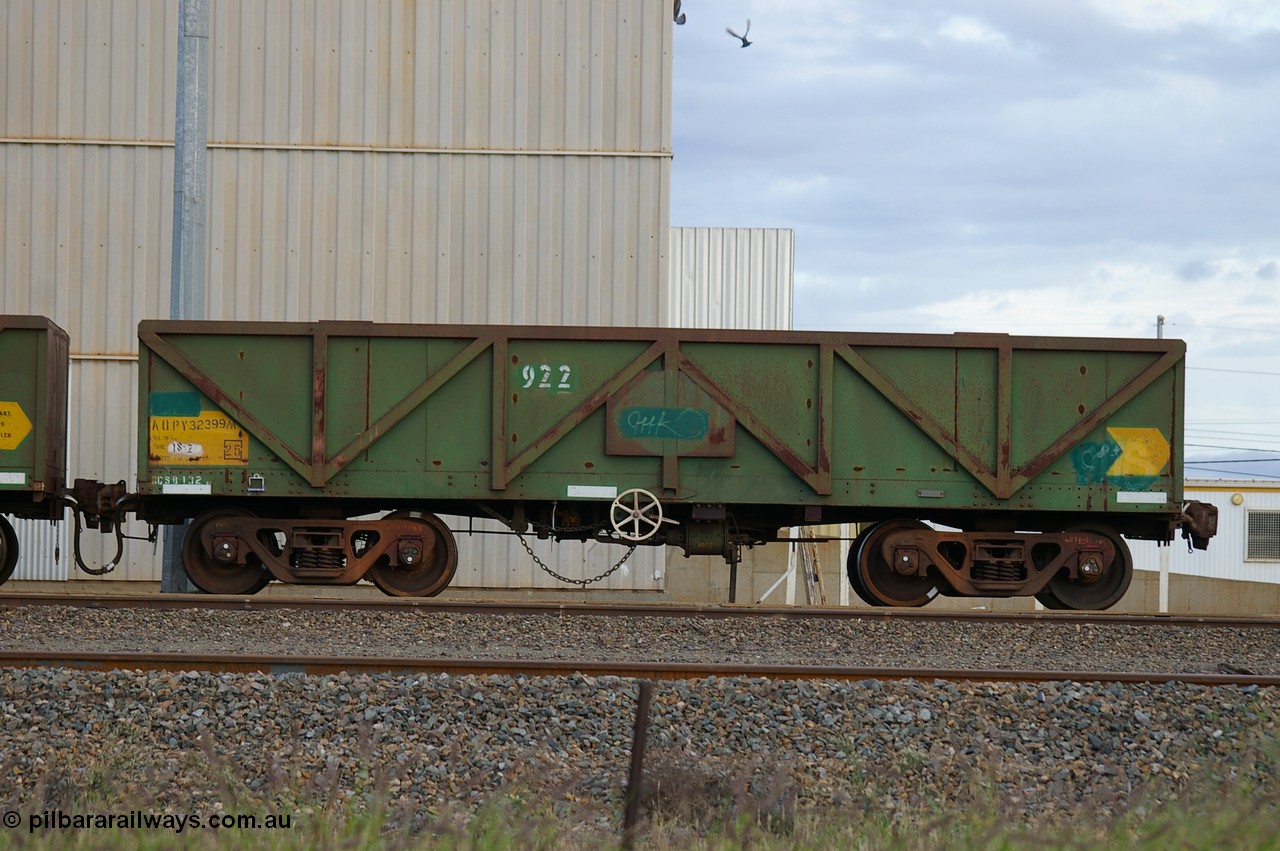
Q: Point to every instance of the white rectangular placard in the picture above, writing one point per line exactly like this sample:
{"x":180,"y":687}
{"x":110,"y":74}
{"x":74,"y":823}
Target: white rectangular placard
{"x":195,"y":488}
{"x":1143,"y":497}
{"x":593,"y":491}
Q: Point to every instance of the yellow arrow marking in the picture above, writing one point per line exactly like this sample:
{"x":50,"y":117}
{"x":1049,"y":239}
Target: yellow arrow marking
{"x":14,"y":425}
{"x":1143,"y":452}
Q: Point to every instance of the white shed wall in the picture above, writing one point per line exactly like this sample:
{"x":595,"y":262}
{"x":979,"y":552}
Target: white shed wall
{"x":1225,"y":557}
{"x":731,"y":278}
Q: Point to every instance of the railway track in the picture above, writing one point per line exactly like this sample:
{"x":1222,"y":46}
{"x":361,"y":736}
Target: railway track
{"x":320,"y":665}
{"x":282,"y":634}
{"x":666,"y":610}
{"x":1093,"y":700}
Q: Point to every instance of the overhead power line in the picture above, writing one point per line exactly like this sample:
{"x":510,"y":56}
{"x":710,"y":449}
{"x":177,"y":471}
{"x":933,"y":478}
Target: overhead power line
{"x":1227,"y":432}
{"x":1240,"y":461}
{"x":1237,"y":371}
{"x":1231,"y":472}
{"x":1230,"y":448}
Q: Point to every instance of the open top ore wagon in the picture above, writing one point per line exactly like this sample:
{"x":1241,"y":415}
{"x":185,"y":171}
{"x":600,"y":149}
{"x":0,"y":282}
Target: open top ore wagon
{"x":983,"y":465}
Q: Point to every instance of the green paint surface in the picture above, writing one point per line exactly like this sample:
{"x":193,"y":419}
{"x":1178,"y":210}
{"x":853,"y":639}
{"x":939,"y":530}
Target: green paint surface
{"x":175,"y":404}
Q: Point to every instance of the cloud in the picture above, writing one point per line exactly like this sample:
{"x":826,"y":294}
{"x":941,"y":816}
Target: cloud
{"x":1233,"y":16}
{"x":1073,"y":168}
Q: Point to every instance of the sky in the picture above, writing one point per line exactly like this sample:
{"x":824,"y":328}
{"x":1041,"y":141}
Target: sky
{"x":1036,"y":167}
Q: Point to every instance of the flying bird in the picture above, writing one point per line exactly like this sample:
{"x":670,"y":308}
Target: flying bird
{"x":677,"y":15}
{"x":743,"y":37}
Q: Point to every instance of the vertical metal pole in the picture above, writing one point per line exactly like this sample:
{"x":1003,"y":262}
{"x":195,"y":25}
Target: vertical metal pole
{"x":1164,"y":550}
{"x":187,"y":284}
{"x":634,"y":779}
{"x":1164,"y":579}
{"x":733,"y":578}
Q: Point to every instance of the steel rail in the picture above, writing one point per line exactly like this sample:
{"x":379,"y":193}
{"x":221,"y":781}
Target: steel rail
{"x":431,"y":605}
{"x":321,"y":665}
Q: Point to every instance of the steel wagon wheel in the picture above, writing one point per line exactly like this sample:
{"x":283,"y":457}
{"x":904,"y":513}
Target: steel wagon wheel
{"x":204,"y":569}
{"x":874,"y":579}
{"x":431,"y":572}
{"x":8,"y":550}
{"x":1092,"y":594}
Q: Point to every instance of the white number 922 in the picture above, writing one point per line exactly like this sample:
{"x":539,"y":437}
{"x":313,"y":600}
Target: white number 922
{"x":541,"y":376}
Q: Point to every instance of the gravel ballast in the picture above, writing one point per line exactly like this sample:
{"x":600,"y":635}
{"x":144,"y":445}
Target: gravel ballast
{"x":429,"y":746}
{"x":1040,"y":645}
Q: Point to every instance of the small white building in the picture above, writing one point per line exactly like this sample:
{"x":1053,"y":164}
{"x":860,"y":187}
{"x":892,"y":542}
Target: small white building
{"x":1240,"y":571}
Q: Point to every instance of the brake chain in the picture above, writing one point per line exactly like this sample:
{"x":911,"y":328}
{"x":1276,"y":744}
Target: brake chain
{"x":583,"y":582}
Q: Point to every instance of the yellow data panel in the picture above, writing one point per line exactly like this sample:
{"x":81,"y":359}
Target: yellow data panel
{"x":210,"y":439}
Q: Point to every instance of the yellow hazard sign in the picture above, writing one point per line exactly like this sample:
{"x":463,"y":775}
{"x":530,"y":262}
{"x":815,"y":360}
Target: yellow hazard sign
{"x":1143,"y":452}
{"x":14,"y":425}
{"x":210,"y":439}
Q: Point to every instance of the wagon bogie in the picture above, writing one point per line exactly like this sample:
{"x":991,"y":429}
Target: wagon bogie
{"x":907,"y":563}
{"x":229,"y":550}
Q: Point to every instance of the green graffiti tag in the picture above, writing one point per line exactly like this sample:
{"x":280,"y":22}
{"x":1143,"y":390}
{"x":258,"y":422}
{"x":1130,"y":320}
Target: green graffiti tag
{"x":1092,"y":460}
{"x":678,"y":423}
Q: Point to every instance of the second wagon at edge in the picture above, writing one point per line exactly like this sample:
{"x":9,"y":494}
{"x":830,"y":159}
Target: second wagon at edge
{"x":981,"y":465}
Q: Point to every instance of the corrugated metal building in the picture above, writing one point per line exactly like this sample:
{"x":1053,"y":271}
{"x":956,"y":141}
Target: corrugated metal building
{"x":498,"y":161}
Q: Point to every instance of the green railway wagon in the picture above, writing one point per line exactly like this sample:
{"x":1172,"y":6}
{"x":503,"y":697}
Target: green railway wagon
{"x":979,"y":465}
{"x":34,"y":355}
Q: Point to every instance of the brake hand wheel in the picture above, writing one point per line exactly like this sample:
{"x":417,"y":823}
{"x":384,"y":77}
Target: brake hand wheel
{"x":636,"y":515}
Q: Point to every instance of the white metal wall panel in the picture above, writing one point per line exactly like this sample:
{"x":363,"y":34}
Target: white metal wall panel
{"x":42,"y":550}
{"x":79,"y":72}
{"x":86,"y":164}
{"x":731,"y":278}
{"x":577,"y":76}
{"x":85,"y":231}
{"x":456,"y":238}
{"x":503,"y":161}
{"x":1225,"y":557}
{"x":86,"y":171}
